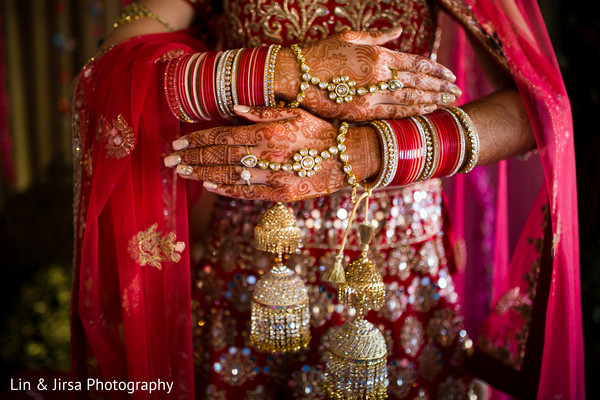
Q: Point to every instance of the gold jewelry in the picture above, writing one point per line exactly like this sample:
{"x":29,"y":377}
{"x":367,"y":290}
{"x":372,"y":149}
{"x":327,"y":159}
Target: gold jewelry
{"x":431,"y":147}
{"x":473,"y":136}
{"x":341,"y":88}
{"x":356,"y":362}
{"x":461,"y":132}
{"x":306,"y":163}
{"x":245,"y":175}
{"x":269,"y":88}
{"x":136,"y":11}
{"x":280,"y":320}
{"x":356,"y":356}
{"x":344,"y":159}
{"x":389,"y":150}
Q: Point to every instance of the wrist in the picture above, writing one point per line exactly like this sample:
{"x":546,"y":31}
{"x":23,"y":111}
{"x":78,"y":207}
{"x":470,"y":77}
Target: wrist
{"x":364,"y":151}
{"x":287,"y":76}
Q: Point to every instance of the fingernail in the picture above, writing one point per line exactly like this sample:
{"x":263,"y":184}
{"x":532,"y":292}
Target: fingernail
{"x":455,"y":90}
{"x":180,"y":144}
{"x":449,"y":76}
{"x":210,"y":185}
{"x":172,"y":160}
{"x":242,"y":109}
{"x":184,"y":170}
{"x":429,"y":108}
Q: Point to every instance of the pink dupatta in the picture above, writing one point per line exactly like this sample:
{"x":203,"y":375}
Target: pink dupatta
{"x":532,"y":340}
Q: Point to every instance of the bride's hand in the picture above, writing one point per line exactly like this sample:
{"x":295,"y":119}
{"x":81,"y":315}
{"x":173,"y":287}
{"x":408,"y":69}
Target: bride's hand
{"x":359,"y":56}
{"x":214,"y":155}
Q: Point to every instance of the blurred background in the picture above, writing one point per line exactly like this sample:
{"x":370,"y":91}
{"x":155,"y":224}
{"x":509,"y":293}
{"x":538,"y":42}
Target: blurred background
{"x":44,"y":44}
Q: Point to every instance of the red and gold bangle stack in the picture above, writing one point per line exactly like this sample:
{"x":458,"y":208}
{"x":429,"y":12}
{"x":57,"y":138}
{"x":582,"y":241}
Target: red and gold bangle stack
{"x":250,"y":82}
{"x":451,"y":141}
{"x":439,"y":144}
{"x":206,"y":86}
{"x":410,"y":151}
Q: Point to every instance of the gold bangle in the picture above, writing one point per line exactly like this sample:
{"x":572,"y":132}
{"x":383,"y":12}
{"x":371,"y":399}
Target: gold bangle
{"x":389,"y":153}
{"x":473,"y":136}
{"x":136,"y":11}
{"x":431,"y":147}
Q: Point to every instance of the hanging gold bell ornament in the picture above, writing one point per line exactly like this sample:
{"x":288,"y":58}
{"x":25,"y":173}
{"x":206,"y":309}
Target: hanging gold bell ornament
{"x":363,"y":288}
{"x":280,"y":320}
{"x":356,"y":362}
{"x":356,"y":357}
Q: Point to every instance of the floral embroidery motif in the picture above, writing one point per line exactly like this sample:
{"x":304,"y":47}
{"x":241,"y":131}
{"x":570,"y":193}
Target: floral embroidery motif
{"x":402,"y":375}
{"x":171,"y":54}
{"x":150,"y":247}
{"x":118,"y":136}
{"x":306,"y":383}
{"x":431,"y":362}
{"x":255,"y":22}
{"x":411,"y":336}
{"x":236,"y":366}
{"x":513,"y":299}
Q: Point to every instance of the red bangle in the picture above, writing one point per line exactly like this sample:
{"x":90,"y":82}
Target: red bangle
{"x":410,"y":151}
{"x":448,"y":132}
{"x":207,"y":91}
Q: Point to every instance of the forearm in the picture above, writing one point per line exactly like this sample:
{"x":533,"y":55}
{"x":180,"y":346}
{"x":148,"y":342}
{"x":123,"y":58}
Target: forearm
{"x":500,"y":120}
{"x":503,"y":125}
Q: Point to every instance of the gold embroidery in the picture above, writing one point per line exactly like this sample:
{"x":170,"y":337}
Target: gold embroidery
{"x":119,"y":136}
{"x":513,"y":299}
{"x":263,"y":19}
{"x":362,"y":15}
{"x":171,"y":54}
{"x":149,"y":247}
{"x":484,"y":33}
{"x":252,"y":23}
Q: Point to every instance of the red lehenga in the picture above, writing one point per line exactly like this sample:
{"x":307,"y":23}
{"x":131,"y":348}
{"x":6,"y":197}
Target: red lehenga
{"x":134,"y":289}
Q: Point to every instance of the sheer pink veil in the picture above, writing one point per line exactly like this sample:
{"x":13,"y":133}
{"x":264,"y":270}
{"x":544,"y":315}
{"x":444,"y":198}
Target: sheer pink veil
{"x":132,"y":295}
{"x":513,"y":33}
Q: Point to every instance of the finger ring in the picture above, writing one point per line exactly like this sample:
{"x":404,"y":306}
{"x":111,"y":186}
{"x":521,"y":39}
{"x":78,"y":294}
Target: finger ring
{"x":306,"y":163}
{"x":245,"y":174}
{"x":394,"y":83}
{"x":445,"y":98}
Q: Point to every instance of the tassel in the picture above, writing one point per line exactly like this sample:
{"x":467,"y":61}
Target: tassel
{"x":335,"y":274}
{"x":356,"y":362}
{"x":280,"y":318}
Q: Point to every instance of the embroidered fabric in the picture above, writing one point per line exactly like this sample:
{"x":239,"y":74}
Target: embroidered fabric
{"x":420,"y":318}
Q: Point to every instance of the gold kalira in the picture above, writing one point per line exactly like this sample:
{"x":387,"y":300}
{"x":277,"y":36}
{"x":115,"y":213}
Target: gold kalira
{"x":280,"y":320}
{"x":356,"y":362}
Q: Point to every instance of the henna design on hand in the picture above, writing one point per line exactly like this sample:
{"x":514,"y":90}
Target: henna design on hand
{"x":359,"y":55}
{"x":277,"y":140}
